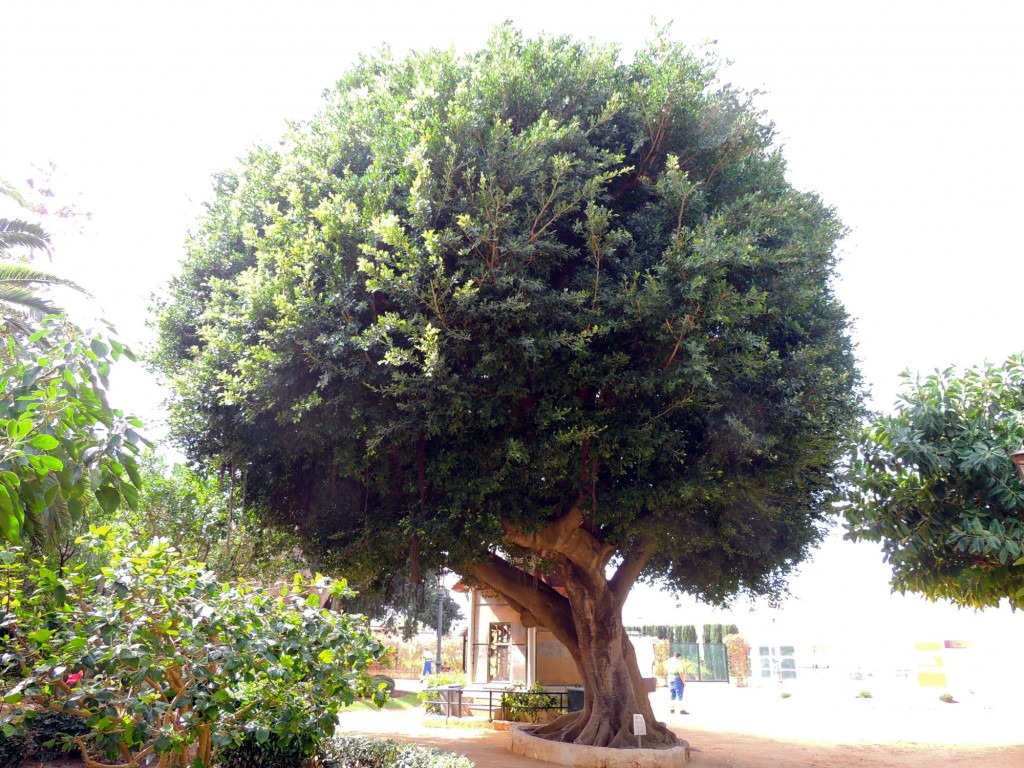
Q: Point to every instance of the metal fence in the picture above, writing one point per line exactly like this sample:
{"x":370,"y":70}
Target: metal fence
{"x":705,"y":662}
{"x":456,"y":701}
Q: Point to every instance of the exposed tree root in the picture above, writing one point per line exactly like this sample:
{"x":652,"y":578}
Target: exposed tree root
{"x":580,"y":728}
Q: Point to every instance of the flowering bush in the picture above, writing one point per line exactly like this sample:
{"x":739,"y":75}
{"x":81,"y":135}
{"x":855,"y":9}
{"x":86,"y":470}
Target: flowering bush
{"x":738,"y":650}
{"x":168,"y":664}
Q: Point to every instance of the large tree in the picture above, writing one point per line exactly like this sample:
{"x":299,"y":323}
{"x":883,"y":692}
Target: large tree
{"x":933,"y":482}
{"x":524,"y":313}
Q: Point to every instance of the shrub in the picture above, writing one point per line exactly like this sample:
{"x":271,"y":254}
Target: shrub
{"x":13,"y":750}
{"x":173,"y":660}
{"x":356,"y":752}
{"x":689,"y":633}
{"x":864,"y":695}
{"x":528,"y":705}
{"x":387,"y":682}
{"x":785,"y":694}
{"x":948,"y":698}
{"x":738,"y":651}
{"x":52,"y":733}
{"x":661,"y":651}
{"x":252,"y":753}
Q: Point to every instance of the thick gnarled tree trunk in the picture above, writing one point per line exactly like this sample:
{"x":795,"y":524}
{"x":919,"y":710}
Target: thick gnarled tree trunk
{"x":588,"y":621}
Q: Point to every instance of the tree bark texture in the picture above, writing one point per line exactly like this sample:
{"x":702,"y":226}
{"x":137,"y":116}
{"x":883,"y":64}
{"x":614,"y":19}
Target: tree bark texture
{"x":587,"y":619}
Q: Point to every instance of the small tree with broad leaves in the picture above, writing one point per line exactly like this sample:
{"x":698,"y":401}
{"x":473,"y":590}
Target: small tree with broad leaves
{"x":166,"y":662}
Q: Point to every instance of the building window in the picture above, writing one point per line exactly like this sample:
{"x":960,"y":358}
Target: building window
{"x":499,"y":652}
{"x":777,"y":662}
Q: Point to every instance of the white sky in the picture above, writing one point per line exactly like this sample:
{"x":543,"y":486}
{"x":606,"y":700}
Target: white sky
{"x":902,"y":115}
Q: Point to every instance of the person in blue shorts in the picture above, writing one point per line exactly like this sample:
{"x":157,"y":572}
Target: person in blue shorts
{"x":676,"y":686}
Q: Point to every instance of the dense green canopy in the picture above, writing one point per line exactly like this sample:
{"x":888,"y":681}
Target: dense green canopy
{"x":934,"y":483}
{"x":482,"y":303}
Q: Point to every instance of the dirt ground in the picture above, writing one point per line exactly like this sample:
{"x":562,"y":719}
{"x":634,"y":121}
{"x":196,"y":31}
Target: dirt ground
{"x":758,"y":728}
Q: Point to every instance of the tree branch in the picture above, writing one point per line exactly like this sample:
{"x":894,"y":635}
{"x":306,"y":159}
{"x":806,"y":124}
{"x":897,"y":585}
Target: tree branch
{"x":564,"y":536}
{"x":536,"y":599}
{"x":633,"y":563}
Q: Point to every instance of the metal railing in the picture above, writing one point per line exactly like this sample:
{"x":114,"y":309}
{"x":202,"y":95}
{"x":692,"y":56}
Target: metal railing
{"x":456,"y":701}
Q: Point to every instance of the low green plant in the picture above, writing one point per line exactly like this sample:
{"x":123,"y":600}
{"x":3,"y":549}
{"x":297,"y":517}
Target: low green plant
{"x":163,"y":659}
{"x":357,"y":752}
{"x":948,"y":698}
{"x":528,"y":705}
{"x":785,"y":694}
{"x":864,"y":695}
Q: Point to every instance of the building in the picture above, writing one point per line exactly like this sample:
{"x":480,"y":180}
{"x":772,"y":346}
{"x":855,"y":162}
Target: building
{"x":500,"y":651}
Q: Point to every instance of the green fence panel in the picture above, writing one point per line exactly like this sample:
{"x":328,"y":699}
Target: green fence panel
{"x":707,"y":662}
{"x":715,"y":665}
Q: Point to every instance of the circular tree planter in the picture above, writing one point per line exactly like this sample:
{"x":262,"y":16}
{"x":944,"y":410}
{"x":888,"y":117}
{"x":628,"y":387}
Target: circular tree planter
{"x":523,"y":742}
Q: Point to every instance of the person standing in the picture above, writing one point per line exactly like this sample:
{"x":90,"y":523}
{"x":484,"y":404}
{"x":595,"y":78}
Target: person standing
{"x":428,"y":663}
{"x":674,"y":668}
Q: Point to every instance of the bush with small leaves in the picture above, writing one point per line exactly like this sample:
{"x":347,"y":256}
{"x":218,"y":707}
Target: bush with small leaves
{"x":270,"y":753}
{"x":864,"y":695}
{"x":356,"y":752}
{"x":948,"y":698}
{"x":52,"y":733}
{"x":13,"y":750}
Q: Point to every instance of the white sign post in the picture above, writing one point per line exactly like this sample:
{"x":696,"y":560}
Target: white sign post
{"x":639,"y":728}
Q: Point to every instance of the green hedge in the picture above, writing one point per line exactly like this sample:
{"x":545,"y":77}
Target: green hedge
{"x":251,"y":753}
{"x":357,"y":752}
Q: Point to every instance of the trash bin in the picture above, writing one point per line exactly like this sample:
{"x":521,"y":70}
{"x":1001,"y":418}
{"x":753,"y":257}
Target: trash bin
{"x":576,"y":697}
{"x":451,"y":700}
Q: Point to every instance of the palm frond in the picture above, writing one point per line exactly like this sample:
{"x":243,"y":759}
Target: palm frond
{"x":9,"y":190}
{"x":48,"y":527}
{"x":15,"y":274}
{"x":17,"y":232}
{"x":23,"y":298}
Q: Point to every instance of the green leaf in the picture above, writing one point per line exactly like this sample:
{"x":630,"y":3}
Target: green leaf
{"x":51,"y":463}
{"x":108,"y":498}
{"x":40,"y":635}
{"x":44,"y":442}
{"x":131,"y":495}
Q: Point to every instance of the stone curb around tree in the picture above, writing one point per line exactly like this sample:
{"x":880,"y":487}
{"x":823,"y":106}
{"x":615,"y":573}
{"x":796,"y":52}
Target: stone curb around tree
{"x":522,"y":742}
